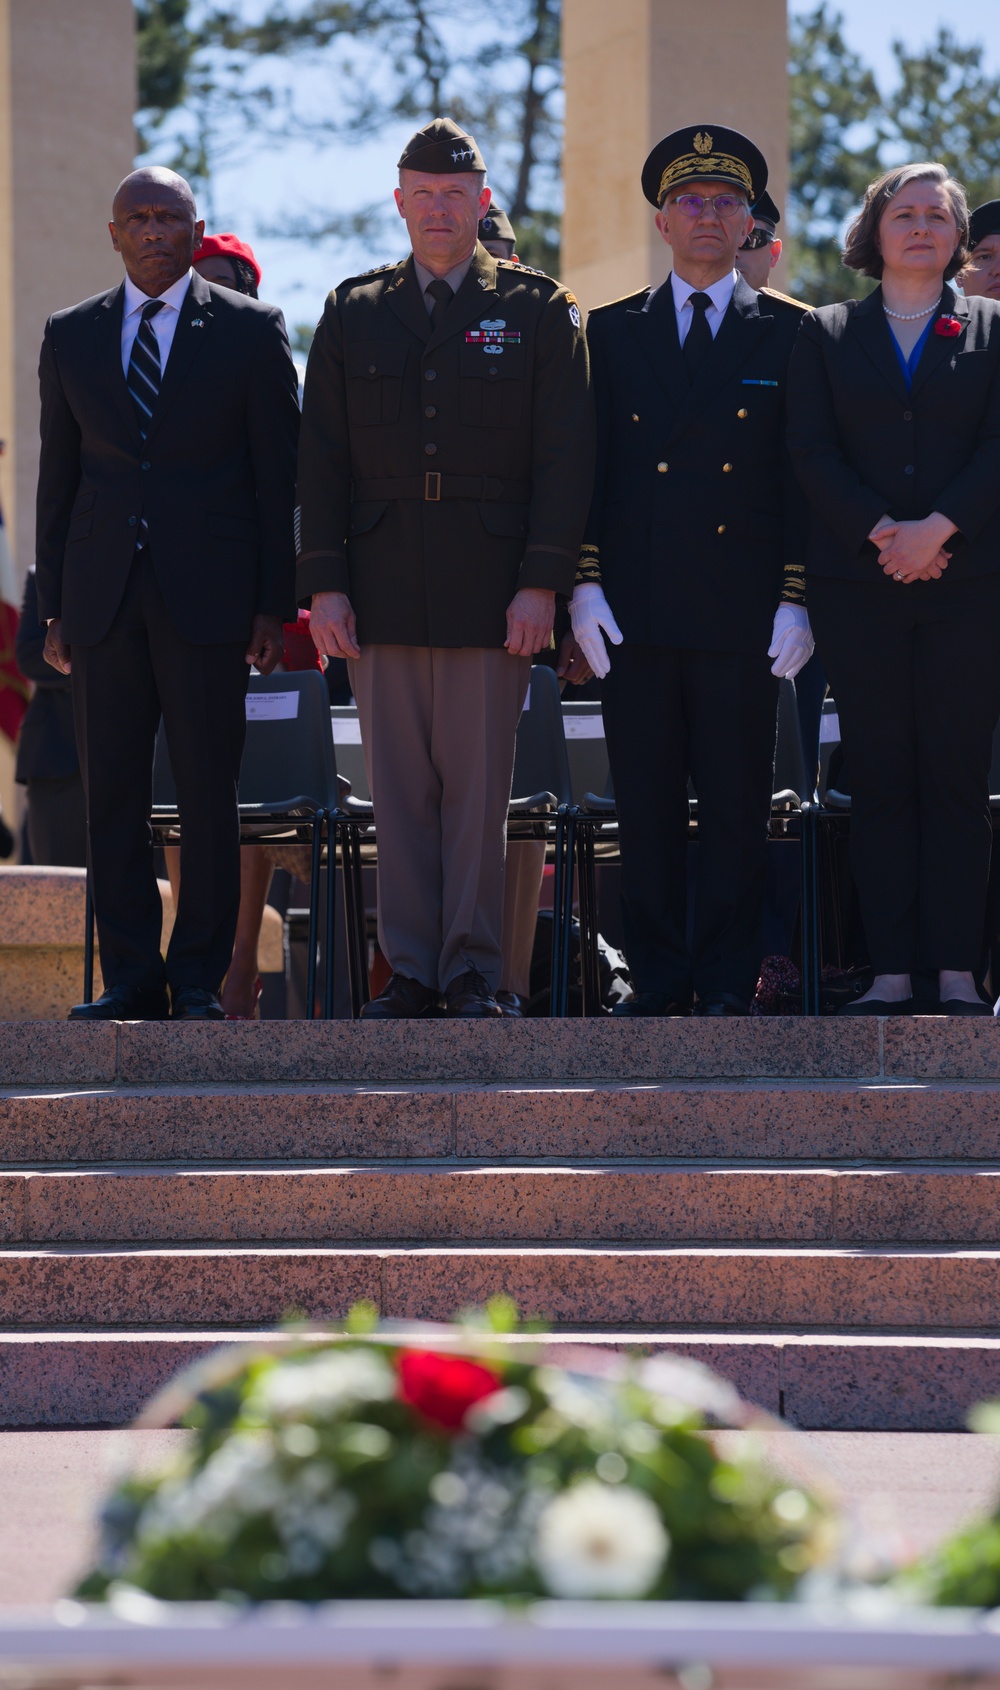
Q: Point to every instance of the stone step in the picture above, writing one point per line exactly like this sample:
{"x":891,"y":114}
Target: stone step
{"x":610,"y":1202}
{"x":877,"y":1288}
{"x":883,"y":1120}
{"x":921,"y":1047}
{"x":815,"y":1380}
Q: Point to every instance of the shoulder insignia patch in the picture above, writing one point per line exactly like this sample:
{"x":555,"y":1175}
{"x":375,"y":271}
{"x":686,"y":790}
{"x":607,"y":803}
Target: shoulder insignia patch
{"x":785,"y":298}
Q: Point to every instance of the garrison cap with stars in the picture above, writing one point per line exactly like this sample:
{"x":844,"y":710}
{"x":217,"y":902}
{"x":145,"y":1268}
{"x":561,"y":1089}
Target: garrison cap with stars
{"x":496,"y":225}
{"x":702,"y":151}
{"x":985,"y":220}
{"x":441,"y":148}
{"x":765,"y":211}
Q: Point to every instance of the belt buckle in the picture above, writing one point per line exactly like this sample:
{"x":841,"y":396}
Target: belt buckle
{"x":432,"y":486}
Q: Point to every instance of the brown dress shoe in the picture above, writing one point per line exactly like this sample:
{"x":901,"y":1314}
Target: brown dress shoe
{"x":403,"y":999}
{"x":470,"y":996}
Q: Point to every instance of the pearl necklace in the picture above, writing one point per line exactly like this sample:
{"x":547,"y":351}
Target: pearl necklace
{"x":910,"y":316}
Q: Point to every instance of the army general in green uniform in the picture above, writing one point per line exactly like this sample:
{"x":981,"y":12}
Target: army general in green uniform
{"x":445,"y":472}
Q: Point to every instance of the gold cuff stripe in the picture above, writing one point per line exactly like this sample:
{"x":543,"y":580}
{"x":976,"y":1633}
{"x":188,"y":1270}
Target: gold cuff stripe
{"x":692,"y":165}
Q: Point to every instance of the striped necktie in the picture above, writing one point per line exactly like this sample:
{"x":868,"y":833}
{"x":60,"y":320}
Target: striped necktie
{"x":143,"y":382}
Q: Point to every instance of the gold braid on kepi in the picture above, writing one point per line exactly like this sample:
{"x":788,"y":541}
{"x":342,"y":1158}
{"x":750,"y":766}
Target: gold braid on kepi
{"x":704,"y":152}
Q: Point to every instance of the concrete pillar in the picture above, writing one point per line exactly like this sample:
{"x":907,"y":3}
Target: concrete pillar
{"x":635,"y":70}
{"x":67,"y":98}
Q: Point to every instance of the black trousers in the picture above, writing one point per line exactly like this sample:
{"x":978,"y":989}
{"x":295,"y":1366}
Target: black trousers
{"x":915,"y":672}
{"x":57,"y":822}
{"x":143,"y":668}
{"x":670,"y":715}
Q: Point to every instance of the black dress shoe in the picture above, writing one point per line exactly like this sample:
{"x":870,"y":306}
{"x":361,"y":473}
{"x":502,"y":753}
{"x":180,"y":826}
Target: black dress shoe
{"x":960,"y":1006}
{"x":403,"y":999}
{"x":123,"y":1003}
{"x":649,"y":1003}
{"x":470,"y":997}
{"x":196,"y":1003}
{"x":722,"y":1003}
{"x":511,"y":1005}
{"x":882,"y":1006}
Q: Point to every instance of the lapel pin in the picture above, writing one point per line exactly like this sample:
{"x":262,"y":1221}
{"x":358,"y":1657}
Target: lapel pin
{"x":197,"y":322}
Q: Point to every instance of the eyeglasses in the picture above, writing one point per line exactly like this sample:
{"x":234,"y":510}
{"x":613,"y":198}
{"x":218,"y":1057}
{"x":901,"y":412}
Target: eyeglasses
{"x":756,"y":239}
{"x":724,"y":205}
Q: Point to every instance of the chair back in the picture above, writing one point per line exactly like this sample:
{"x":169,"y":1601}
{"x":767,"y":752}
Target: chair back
{"x":347,"y":740}
{"x":541,"y":763}
{"x":288,"y":753}
{"x":789,"y":757}
{"x":586,"y":746}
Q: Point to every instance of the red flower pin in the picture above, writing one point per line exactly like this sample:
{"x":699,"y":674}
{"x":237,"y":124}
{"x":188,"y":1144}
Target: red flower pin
{"x":443,"y":1388}
{"x":948,"y":327}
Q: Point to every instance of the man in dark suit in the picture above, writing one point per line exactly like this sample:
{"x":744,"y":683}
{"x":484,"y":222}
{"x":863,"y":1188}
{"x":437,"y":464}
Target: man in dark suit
{"x":164,"y":569}
{"x":444,"y":478}
{"x":47,"y":761}
{"x":696,"y":538}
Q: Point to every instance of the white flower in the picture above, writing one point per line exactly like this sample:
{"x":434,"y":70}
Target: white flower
{"x":600,"y":1540}
{"x":324,"y":1384}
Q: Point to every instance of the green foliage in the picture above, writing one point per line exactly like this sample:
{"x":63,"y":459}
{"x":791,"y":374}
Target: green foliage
{"x":947,"y":107}
{"x":327,"y":1471}
{"x":964,"y":1571}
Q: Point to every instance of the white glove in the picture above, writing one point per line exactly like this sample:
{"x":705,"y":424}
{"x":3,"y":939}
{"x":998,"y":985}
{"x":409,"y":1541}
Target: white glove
{"x":589,"y":612}
{"x":792,"y":643}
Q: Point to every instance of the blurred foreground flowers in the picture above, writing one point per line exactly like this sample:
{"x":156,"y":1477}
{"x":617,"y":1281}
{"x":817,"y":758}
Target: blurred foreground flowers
{"x":369,"y":1466}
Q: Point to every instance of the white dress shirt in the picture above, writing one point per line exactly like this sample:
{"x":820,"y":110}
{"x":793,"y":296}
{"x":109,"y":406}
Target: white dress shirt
{"x":720,"y":293}
{"x":164,"y":322}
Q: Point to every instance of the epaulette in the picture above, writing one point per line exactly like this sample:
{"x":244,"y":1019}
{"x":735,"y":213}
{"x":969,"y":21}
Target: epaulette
{"x":625,"y":299}
{"x":785,"y":298}
{"x":379,"y":270}
{"x":525,"y":270}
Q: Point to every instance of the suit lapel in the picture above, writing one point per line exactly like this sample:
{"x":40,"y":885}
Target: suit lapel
{"x":194,"y":323}
{"x":939,"y":347}
{"x":404,"y":297}
{"x":655,"y":329}
{"x":741,"y":331}
{"x":870,"y":328}
{"x":108,"y":319}
{"x":477,"y":297}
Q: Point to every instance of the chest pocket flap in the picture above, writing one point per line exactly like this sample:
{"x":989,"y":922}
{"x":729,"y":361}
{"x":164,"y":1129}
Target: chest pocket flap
{"x":492,"y":385}
{"x":375,"y":380}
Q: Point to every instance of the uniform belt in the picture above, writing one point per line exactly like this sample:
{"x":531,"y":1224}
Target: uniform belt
{"x":433,"y":486}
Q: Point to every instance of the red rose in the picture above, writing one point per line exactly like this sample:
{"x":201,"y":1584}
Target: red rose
{"x":948,"y":327}
{"x":443,"y":1388}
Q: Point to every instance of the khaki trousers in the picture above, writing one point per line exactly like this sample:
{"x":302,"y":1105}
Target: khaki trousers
{"x":437,"y":730}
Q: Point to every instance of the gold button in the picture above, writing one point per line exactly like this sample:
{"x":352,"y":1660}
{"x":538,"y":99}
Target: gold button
{"x":635,"y":416}
{"x":742,"y":413}
{"x":721,"y":528}
{"x":727,"y":469}
{"x":663,"y":468}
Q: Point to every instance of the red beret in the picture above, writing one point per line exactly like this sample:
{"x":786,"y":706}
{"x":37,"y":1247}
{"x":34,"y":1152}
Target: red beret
{"x":228,"y":246}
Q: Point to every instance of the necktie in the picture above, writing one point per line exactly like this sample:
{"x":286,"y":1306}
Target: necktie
{"x":441,"y":293}
{"x":143,"y":381}
{"x":698,"y":340}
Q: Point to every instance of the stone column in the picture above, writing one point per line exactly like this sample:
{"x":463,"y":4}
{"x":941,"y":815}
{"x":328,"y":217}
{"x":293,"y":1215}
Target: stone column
{"x":67,"y":98}
{"x":635,"y":70}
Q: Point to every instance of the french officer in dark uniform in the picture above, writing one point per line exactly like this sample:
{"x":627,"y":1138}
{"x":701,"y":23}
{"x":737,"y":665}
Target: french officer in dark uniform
{"x":693,"y":560}
{"x":980,"y":278}
{"x":445,"y":472}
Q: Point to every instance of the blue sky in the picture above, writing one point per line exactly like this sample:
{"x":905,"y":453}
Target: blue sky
{"x":261,"y":189}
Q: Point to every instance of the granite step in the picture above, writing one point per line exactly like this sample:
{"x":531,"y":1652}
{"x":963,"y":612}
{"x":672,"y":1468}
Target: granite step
{"x":236,"y":1053}
{"x":823,"y":1380}
{"x":877,"y":1288}
{"x":608,"y":1202}
{"x":881,"y":1119}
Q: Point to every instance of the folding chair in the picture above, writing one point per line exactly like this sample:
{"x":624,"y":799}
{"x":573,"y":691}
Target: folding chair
{"x":541,"y":773}
{"x":288,"y":793}
{"x":592,"y":831}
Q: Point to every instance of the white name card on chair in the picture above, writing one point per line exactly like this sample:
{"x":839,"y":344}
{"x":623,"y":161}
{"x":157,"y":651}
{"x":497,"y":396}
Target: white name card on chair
{"x":346,"y":730}
{"x":583,"y":727}
{"x":272,"y":706}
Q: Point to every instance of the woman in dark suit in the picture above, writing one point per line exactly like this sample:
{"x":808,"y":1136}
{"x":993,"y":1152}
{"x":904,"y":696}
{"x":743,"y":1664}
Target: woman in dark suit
{"x":894,"y":428}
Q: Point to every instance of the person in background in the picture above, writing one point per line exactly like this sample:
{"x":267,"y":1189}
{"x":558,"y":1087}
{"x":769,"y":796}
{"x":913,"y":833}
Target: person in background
{"x":894,"y":429}
{"x":979,"y":278}
{"x":496,"y":233}
{"x":230,"y":263}
{"x":695,"y":537}
{"x":762,"y":248}
{"x":164,"y":550}
{"x":444,"y":474}
{"x":48,"y":765}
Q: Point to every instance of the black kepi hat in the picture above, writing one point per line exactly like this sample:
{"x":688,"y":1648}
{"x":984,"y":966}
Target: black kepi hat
{"x":765,"y":211}
{"x":496,"y":225}
{"x":703,"y":150}
{"x":985,"y":220}
{"x":441,"y":148}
